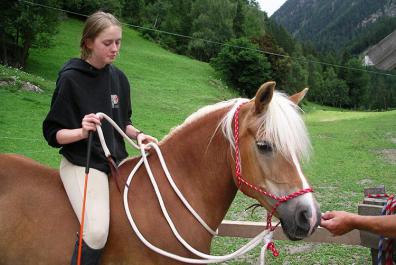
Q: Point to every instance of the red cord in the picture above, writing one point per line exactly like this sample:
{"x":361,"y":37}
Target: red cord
{"x":82,"y":221}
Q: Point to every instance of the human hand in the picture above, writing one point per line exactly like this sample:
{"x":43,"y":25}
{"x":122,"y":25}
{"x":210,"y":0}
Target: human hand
{"x":89,"y":123}
{"x":144,"y":139}
{"x":338,"y":222}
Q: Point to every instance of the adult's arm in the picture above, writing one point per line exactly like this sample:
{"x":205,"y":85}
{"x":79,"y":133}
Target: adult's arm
{"x":340,"y":222}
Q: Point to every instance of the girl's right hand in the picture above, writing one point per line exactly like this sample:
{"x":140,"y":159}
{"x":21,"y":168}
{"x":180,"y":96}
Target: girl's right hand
{"x":89,"y":123}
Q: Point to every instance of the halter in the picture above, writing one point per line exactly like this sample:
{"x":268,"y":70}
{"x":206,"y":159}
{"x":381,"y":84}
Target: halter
{"x":241,"y":180}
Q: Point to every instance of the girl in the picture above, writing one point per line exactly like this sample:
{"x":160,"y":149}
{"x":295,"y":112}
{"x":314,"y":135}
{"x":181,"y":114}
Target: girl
{"x":86,"y":86}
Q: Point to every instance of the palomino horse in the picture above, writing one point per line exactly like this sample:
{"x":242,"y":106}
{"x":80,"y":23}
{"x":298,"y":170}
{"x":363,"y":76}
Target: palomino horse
{"x":38,"y":226}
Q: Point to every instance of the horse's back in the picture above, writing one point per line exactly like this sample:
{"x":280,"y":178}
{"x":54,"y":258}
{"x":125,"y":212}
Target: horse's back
{"x":38,"y":225}
{"x":36,"y":222}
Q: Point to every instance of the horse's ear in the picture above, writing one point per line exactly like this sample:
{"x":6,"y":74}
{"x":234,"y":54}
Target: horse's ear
{"x":296,"y":98}
{"x":264,"y":96}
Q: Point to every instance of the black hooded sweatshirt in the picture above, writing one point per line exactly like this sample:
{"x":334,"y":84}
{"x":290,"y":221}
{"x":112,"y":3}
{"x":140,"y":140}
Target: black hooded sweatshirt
{"x":82,"y":89}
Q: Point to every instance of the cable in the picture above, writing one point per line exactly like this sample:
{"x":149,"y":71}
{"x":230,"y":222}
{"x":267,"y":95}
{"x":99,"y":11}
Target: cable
{"x":221,"y":43}
{"x":19,"y":138}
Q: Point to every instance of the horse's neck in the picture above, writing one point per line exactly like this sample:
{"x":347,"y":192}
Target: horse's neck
{"x":198,"y":157}
{"x":201,"y":170}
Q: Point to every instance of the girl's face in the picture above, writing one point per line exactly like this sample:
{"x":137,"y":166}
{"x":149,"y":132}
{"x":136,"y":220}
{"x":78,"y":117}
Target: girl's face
{"x":105,"y":47}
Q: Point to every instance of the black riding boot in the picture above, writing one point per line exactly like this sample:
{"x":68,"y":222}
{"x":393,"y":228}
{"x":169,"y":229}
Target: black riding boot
{"x":89,"y":256}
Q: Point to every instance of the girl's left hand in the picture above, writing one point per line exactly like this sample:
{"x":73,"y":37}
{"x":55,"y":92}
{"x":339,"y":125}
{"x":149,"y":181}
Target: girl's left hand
{"x":144,"y":139}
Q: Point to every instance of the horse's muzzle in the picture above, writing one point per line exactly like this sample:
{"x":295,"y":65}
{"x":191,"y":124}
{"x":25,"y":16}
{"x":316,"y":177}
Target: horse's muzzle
{"x":299,"y":218}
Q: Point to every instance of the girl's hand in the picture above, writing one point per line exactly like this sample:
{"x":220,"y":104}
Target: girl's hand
{"x":144,"y":139}
{"x":89,"y":123}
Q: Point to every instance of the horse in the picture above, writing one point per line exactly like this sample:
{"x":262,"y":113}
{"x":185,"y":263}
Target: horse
{"x":38,"y":225}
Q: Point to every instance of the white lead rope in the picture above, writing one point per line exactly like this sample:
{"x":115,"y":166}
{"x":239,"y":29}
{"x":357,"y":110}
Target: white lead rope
{"x":165,"y":168}
{"x":265,"y":236}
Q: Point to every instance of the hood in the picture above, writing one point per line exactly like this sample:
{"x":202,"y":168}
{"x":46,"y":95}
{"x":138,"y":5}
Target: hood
{"x":82,"y":66}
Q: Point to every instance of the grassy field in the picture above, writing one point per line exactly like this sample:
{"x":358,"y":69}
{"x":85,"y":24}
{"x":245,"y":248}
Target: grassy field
{"x":352,"y":150}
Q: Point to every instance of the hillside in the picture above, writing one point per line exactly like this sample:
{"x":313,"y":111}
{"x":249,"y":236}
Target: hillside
{"x":336,"y":23}
{"x":166,"y":88}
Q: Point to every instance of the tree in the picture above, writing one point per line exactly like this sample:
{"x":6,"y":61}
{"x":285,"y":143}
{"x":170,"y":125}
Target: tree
{"x":297,"y":77}
{"x":358,"y":82}
{"x":280,"y":65}
{"x":281,"y":37}
{"x":315,"y":81}
{"x":87,"y":7}
{"x":244,"y":69}
{"x":212,"y":20}
{"x":25,"y":25}
{"x":337,"y":89}
{"x":133,"y":11}
{"x":255,"y":21}
{"x":239,"y":20}
{"x":382,"y":93}
{"x":178,"y":20}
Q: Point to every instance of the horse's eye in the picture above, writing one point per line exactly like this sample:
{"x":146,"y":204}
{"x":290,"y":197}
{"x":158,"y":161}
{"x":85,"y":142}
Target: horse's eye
{"x":264,"y":146}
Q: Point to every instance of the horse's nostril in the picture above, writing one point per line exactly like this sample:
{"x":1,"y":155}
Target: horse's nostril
{"x":303,"y":218}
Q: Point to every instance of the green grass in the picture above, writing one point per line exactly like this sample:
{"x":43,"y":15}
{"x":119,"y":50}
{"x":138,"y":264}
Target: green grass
{"x":166,"y":88}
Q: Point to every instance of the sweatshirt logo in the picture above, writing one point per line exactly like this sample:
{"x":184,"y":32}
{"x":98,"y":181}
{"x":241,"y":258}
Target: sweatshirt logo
{"x":114,"y":101}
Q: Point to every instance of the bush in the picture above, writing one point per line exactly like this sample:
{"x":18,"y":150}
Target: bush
{"x":242,"y":66}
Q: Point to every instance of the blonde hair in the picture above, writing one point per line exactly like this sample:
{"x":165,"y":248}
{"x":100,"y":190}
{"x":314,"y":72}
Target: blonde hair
{"x":94,"y":25}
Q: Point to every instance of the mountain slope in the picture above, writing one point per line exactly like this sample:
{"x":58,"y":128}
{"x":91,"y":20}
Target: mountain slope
{"x":331,"y":24}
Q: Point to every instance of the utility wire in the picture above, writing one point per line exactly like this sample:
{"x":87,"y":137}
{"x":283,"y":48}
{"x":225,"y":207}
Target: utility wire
{"x":19,"y":138}
{"x":220,"y":43}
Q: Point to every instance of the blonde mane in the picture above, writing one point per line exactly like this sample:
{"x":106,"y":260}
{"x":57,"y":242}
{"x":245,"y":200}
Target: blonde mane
{"x":199,"y":114}
{"x":281,"y":125}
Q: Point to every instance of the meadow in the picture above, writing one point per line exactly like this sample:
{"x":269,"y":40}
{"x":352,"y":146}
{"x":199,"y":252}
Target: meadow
{"x":351,"y":150}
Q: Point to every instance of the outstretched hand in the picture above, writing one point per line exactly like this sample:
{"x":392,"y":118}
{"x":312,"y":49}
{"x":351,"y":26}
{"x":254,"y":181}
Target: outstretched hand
{"x":337,"y":222}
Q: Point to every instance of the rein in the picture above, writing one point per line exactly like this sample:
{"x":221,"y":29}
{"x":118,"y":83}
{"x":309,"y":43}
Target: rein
{"x":240,"y":180}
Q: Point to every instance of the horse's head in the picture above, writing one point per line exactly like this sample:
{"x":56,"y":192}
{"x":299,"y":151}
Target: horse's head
{"x":272,"y":141}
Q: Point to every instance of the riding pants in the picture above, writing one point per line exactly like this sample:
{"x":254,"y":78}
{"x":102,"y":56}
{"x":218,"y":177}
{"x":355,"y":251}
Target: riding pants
{"x":97,"y":207}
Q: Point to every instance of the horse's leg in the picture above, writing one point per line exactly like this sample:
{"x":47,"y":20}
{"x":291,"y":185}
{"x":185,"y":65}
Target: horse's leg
{"x":37,"y":224}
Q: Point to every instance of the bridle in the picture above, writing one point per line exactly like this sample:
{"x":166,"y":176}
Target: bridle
{"x":241,"y":181}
